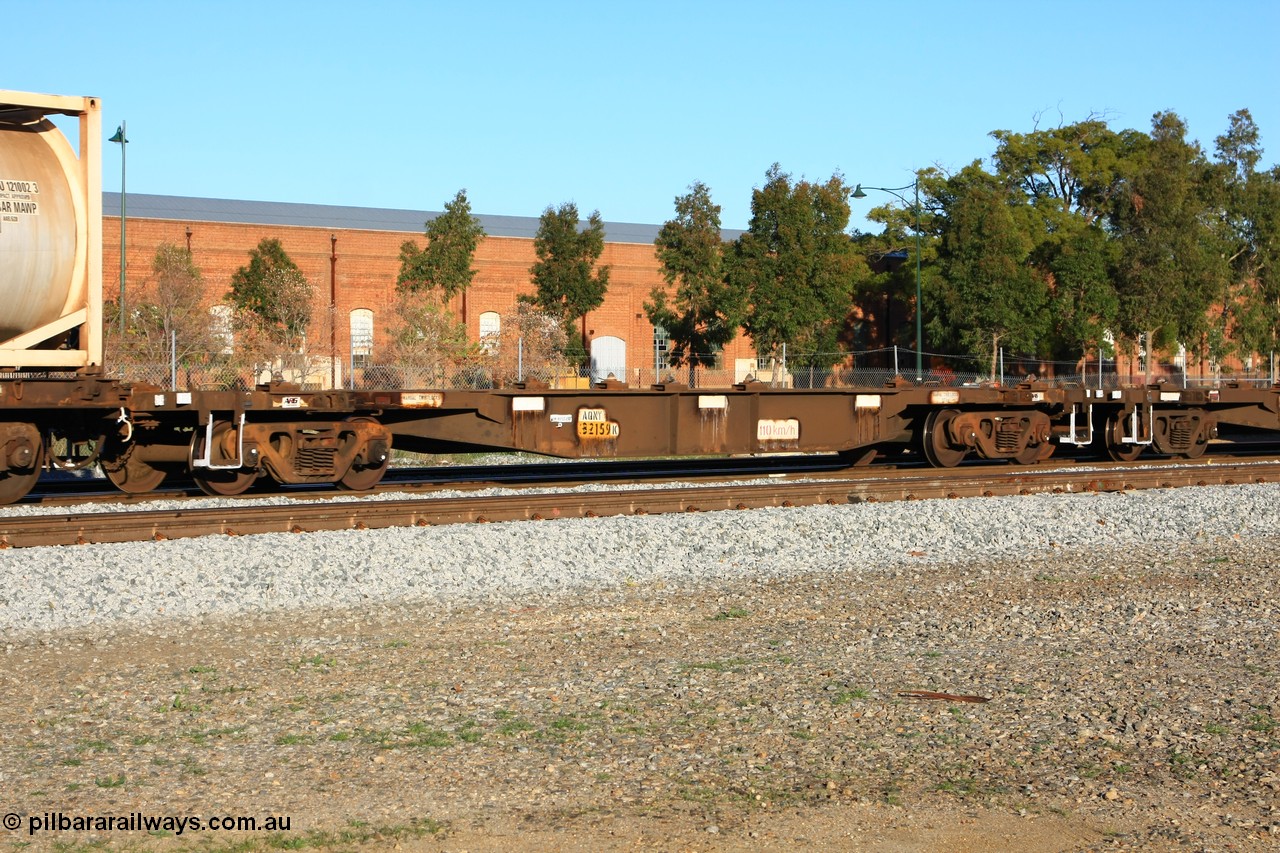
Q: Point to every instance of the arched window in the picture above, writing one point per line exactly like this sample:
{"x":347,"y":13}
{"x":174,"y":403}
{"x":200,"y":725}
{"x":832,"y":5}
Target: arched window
{"x":361,"y":336}
{"x":490,"y":329}
{"x":608,"y":358}
{"x":220,"y":321}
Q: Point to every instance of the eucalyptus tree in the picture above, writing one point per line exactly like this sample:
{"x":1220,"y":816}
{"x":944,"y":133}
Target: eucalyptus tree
{"x":1169,"y":269}
{"x":993,"y":296}
{"x":705,"y":310}
{"x":1068,"y":179}
{"x":568,"y":280}
{"x":796,"y":265}
{"x":267,"y":288}
{"x":426,"y":334}
{"x":445,"y":264}
{"x":1249,"y":228}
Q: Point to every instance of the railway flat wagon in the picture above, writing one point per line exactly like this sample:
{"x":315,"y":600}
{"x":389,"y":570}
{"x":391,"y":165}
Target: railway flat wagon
{"x":61,"y":409}
{"x":1023,"y":424}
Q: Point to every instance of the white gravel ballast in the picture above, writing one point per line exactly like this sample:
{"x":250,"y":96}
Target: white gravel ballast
{"x":96,"y":586}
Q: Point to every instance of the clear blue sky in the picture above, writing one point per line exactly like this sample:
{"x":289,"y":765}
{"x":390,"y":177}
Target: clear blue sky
{"x":619,"y":106}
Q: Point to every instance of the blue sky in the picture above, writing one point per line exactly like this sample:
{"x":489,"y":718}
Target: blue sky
{"x":619,"y":106}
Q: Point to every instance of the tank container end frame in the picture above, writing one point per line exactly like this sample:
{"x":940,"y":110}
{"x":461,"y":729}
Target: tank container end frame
{"x":24,"y":351}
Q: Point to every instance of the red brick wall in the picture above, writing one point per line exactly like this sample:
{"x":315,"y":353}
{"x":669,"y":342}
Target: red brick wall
{"x":368,"y":263}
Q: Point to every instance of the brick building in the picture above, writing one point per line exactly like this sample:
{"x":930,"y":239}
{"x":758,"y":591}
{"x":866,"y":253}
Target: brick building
{"x":351,"y":255}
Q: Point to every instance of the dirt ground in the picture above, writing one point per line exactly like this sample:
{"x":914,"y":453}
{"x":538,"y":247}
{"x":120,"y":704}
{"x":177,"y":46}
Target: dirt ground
{"x":1131,"y":704}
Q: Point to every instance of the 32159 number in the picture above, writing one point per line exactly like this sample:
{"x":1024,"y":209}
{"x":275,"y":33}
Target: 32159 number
{"x":595,"y":423}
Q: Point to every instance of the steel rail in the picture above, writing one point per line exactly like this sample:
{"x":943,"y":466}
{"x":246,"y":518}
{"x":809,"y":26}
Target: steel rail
{"x":141,"y":525}
{"x":547,"y":475}
{"x":576,"y":473}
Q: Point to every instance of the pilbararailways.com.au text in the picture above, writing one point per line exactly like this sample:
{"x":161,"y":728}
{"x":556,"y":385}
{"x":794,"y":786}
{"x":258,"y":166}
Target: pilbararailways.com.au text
{"x":140,"y":822}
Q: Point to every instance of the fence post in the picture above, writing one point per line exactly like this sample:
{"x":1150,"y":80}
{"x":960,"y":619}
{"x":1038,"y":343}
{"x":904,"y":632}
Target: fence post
{"x":173,"y":359}
{"x":520,"y":359}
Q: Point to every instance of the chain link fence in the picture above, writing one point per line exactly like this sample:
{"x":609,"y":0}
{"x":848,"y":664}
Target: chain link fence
{"x":222,"y":371}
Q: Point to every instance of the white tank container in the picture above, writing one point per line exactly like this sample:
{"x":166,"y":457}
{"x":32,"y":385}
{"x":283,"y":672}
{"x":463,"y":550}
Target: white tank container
{"x":43,"y":225}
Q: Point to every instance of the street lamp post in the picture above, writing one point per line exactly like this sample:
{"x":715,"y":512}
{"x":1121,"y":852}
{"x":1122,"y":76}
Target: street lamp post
{"x":120,"y":137}
{"x":915,"y":209}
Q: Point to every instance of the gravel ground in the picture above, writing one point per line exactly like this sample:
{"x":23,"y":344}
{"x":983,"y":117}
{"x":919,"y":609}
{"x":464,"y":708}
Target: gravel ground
{"x":43,"y":589}
{"x":722,"y":681}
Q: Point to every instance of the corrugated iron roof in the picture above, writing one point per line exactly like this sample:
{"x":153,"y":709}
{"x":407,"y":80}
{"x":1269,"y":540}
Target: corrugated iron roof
{"x":181,"y":208}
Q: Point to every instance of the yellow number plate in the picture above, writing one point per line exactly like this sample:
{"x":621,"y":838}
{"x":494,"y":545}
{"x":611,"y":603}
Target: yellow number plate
{"x":595,"y":423}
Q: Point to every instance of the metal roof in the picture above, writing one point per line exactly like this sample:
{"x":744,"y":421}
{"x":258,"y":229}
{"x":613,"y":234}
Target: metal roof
{"x":181,"y":208}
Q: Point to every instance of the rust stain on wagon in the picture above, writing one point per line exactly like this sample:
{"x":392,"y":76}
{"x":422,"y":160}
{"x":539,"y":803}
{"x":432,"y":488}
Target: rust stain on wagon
{"x":597,"y":434}
{"x":713,"y":422}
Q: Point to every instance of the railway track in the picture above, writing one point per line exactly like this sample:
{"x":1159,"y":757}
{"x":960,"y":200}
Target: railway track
{"x":73,"y":491}
{"x":862,"y":486}
{"x":555,"y":474}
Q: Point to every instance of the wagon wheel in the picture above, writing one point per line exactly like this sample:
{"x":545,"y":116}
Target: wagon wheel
{"x":224,"y":482}
{"x":24,"y":471}
{"x":1115,"y":448}
{"x":130,"y":473}
{"x":937,"y":449}
{"x":1029,"y":455}
{"x":362,"y":477}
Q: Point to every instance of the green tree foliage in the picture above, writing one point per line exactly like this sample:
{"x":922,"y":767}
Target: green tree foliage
{"x":1249,"y":209}
{"x":1169,"y":271}
{"x":1068,"y":175}
{"x":891,"y":274}
{"x":993,"y":297}
{"x":796,"y":265}
{"x":1068,"y":178}
{"x":705,"y":310}
{"x":568,"y":282}
{"x":445,"y":263}
{"x":267,"y":288}
{"x":1129,"y":233}
{"x":1083,"y":303}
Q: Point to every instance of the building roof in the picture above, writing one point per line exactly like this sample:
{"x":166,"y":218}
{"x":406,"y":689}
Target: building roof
{"x":184,"y":209}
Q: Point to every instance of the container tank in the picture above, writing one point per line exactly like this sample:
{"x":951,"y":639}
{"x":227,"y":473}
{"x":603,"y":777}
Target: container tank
{"x":42,"y":226}
{"x":50,"y":233}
